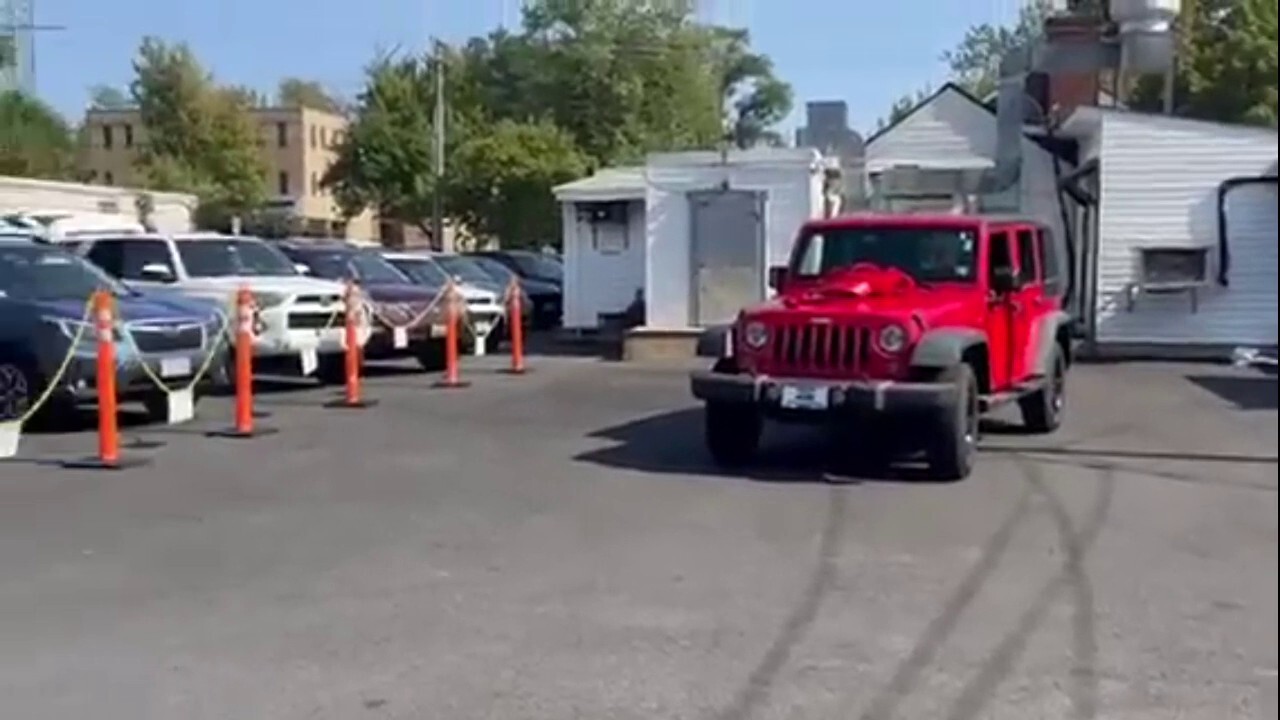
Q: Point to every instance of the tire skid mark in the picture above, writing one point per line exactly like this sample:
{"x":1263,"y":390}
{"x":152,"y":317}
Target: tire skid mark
{"x":801,"y":618}
{"x":908,"y":673}
{"x":1076,"y":544}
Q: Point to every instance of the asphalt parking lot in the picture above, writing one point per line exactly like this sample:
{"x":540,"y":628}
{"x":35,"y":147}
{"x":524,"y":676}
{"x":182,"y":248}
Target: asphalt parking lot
{"x":556,"y":546}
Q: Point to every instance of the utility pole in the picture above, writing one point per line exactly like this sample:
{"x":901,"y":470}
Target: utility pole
{"x":437,"y":204}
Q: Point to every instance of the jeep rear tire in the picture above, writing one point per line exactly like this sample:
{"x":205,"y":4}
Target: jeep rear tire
{"x":955,"y":434}
{"x":1042,"y":409}
{"x":732,"y":433}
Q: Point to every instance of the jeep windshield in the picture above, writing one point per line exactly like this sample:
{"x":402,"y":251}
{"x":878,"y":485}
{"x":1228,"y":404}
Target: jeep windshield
{"x":41,"y":272}
{"x":222,"y":258}
{"x":928,"y":254}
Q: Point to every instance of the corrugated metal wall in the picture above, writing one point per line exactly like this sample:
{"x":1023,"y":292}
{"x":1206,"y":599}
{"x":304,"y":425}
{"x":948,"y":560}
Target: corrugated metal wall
{"x":1159,"y":188}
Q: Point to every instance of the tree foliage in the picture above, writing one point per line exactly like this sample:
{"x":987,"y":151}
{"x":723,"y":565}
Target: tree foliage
{"x":296,"y":92}
{"x":1226,"y":68}
{"x":975,"y":61}
{"x":108,"y":97}
{"x":201,"y":137}
{"x":902,"y":106}
{"x":34,"y":140}
{"x":582,"y":84}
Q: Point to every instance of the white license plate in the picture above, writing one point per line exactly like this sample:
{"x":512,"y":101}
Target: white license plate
{"x":483,"y":327}
{"x":805,"y":397}
{"x":437,"y":331}
{"x":175,"y":367}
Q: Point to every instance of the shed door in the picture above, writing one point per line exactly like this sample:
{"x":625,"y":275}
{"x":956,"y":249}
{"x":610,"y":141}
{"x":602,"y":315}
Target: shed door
{"x":727,"y":237}
{"x":1251,"y":233}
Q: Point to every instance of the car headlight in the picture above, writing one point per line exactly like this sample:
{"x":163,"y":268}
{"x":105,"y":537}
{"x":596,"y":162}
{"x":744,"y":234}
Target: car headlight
{"x":71,"y":328}
{"x":892,"y":338}
{"x":269,"y":299}
{"x":755,"y":334}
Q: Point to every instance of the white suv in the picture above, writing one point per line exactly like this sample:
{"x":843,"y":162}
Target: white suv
{"x":298,"y":320}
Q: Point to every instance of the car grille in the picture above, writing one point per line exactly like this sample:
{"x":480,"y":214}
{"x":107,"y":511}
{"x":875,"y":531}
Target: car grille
{"x":167,"y":337}
{"x":402,"y":314}
{"x":820,"y":347}
{"x":318,"y":299}
{"x":315,"y":320}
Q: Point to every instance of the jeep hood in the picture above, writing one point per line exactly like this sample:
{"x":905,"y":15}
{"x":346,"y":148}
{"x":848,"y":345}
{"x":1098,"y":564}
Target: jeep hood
{"x":886,"y":294}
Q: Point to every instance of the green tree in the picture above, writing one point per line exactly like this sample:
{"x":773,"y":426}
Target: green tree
{"x":295,"y":92}
{"x":108,"y":97}
{"x":386,"y":159}
{"x":201,"y":138}
{"x":902,"y":106}
{"x":1227,"y":67}
{"x":499,"y":183}
{"x":753,"y":97}
{"x":34,"y":140}
{"x":975,"y":61}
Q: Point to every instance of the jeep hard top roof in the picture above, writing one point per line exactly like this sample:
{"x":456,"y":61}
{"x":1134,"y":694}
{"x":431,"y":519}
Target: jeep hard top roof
{"x":918,"y":220}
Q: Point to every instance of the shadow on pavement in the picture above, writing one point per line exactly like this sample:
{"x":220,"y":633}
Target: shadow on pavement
{"x":672,"y":443}
{"x":1245,"y":392}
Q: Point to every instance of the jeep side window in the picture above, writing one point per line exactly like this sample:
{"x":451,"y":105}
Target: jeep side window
{"x":1052,"y":273}
{"x":1028,"y":273}
{"x":998,"y":255}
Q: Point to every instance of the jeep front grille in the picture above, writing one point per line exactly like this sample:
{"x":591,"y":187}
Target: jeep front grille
{"x":820,"y":347}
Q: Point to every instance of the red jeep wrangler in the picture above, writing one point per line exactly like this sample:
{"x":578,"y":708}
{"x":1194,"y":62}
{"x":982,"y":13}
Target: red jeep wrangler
{"x":928,"y":320}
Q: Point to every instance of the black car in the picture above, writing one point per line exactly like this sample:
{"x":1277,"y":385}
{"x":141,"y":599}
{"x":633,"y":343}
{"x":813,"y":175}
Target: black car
{"x":529,"y":265}
{"x":546,"y":297}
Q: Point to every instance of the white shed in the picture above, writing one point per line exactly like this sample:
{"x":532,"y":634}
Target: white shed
{"x":170,"y":212}
{"x":1183,"y":238}
{"x":715,"y":223}
{"x":603,"y":218}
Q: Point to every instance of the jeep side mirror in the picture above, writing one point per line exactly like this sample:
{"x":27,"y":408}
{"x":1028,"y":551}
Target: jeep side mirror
{"x":777,"y":277}
{"x":156,"y":272}
{"x":1004,"y":280}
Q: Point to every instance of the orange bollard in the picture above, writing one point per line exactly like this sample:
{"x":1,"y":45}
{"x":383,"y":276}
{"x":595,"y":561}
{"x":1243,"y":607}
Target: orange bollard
{"x":108,"y":457}
{"x":244,"y":426}
{"x":351,"y":354}
{"x":452,"y":318}
{"x":515,"y":322}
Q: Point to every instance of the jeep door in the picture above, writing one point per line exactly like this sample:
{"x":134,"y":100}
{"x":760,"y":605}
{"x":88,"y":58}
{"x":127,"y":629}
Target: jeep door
{"x":1000,"y":309}
{"x":1028,"y":303}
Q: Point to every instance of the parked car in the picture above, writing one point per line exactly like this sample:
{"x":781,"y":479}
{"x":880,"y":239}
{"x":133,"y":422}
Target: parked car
{"x":530,"y":265}
{"x":298,"y":322}
{"x":395,"y":300}
{"x":59,"y":225}
{"x":482,"y":296}
{"x":44,"y":293}
{"x":545,"y":299}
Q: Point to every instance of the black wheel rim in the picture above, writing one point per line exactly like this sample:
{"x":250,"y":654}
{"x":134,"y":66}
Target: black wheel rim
{"x":15,"y":392}
{"x":1058,"y":400}
{"x":971,"y":420}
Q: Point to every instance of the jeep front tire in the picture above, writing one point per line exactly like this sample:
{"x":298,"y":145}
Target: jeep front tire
{"x":732,"y":433}
{"x":955,"y":432}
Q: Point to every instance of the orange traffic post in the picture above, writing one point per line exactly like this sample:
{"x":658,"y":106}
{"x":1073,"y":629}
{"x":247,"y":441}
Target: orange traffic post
{"x":351,"y":353}
{"x":104,"y":328}
{"x":452,"y":320}
{"x":515,"y":322}
{"x":244,"y":425}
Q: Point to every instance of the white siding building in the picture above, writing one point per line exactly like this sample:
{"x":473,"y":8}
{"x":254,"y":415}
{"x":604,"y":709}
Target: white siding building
{"x":171,"y":212}
{"x":1184,"y":232}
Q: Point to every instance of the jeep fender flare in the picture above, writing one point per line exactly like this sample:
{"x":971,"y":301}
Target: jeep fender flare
{"x":945,"y":347}
{"x":716,"y":342}
{"x":1051,"y":329}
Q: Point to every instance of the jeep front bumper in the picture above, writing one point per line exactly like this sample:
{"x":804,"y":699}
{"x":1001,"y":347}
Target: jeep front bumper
{"x":841,"y":398}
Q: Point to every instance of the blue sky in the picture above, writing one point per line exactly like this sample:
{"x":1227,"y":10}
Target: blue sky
{"x":867,"y":52}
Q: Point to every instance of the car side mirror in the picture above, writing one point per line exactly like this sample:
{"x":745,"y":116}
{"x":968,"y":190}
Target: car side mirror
{"x":301,"y":269}
{"x":157,"y":272}
{"x":1004,"y":280}
{"x":777,"y":277}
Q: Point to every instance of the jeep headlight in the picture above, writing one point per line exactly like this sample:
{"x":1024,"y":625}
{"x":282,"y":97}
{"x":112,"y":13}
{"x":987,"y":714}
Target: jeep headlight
{"x":755,"y":334}
{"x":892,"y":338}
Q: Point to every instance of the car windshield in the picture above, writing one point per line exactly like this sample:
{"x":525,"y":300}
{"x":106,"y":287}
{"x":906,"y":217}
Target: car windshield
{"x":539,"y":266}
{"x":41,"y":272}
{"x":933,"y":254}
{"x":339,"y":265}
{"x":221,"y":258}
{"x":422,"y":270}
{"x":494,"y":269}
{"x":463,"y":269}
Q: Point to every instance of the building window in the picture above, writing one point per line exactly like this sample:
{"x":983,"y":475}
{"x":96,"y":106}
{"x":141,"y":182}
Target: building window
{"x":315,"y":184}
{"x":107,"y":137}
{"x":108,"y":178}
{"x":282,"y":135}
{"x":282,"y":183}
{"x":313,"y":137}
{"x":324,"y":140}
{"x":128,"y":136}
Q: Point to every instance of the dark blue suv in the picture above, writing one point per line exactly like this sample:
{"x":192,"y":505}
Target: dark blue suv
{"x":44,"y":292}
